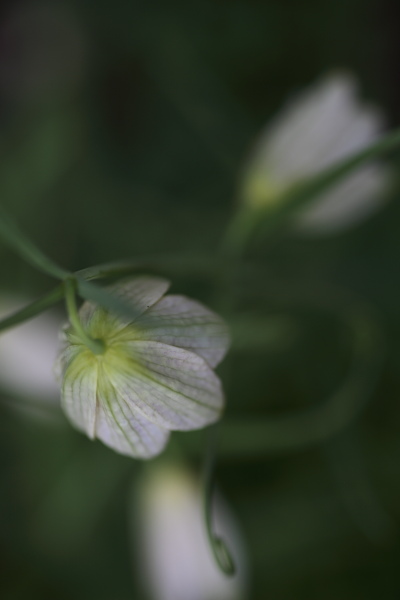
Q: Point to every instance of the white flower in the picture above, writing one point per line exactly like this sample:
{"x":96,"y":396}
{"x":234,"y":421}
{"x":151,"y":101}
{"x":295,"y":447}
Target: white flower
{"x":323,"y":125}
{"x":27,"y":353}
{"x":176,"y":560}
{"x":155,"y":374}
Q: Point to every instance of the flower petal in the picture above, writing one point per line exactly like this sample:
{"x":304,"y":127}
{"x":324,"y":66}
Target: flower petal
{"x":121,"y":427}
{"x":179,"y":321}
{"x":347,"y":203}
{"x":170,"y":386}
{"x":300,"y":139}
{"x":78,"y":393}
{"x":142,"y":292}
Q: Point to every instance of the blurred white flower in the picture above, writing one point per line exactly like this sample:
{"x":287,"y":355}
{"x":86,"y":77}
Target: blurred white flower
{"x":320,"y":127}
{"x":27,"y":353}
{"x":175,"y":558}
{"x":155,"y":374}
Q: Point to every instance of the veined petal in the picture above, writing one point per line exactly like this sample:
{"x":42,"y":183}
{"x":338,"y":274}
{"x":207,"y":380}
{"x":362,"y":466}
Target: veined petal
{"x":142,"y":292}
{"x":154,"y":374}
{"x":79,"y":393}
{"x":62,"y":362}
{"x":179,"y":321}
{"x":170,"y":386}
{"x":121,"y":427}
{"x":66,"y":354}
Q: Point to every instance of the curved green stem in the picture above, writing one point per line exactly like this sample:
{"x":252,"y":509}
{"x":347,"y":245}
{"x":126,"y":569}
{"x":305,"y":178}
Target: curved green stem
{"x":33,"y":309}
{"x":253,"y":437}
{"x":96,"y":346}
{"x":219,"y":548}
{"x":17,"y":241}
{"x":319,"y":423}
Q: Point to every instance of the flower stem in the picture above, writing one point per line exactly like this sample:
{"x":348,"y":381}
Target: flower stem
{"x":219,"y":548}
{"x":325,"y":420}
{"x":17,"y":241}
{"x":33,"y":309}
{"x":96,"y":346}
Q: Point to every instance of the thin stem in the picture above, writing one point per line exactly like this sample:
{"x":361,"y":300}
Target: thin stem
{"x":219,"y":548}
{"x":17,"y":241}
{"x":96,"y":346}
{"x":237,"y":233}
{"x":33,"y":309}
{"x":254,"y":437}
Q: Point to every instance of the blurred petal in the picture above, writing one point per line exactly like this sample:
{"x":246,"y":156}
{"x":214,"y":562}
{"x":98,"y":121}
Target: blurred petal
{"x":179,"y":321}
{"x":351,"y":200}
{"x":321,"y":126}
{"x":176,"y":558}
{"x":170,"y":386}
{"x":27,"y":353}
{"x":313,"y":128}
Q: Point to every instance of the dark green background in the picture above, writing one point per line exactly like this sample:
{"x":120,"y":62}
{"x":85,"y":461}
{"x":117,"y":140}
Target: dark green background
{"x":123,"y":134}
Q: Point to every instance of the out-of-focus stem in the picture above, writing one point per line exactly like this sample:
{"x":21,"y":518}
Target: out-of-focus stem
{"x":33,"y":309}
{"x":96,"y":346}
{"x":13,"y":237}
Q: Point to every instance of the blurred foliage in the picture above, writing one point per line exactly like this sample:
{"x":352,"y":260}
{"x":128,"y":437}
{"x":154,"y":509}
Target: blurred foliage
{"x":124,"y":126}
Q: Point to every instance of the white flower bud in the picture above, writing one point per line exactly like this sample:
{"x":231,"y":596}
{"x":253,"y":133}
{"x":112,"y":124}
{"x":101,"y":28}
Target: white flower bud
{"x":324,"y":125}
